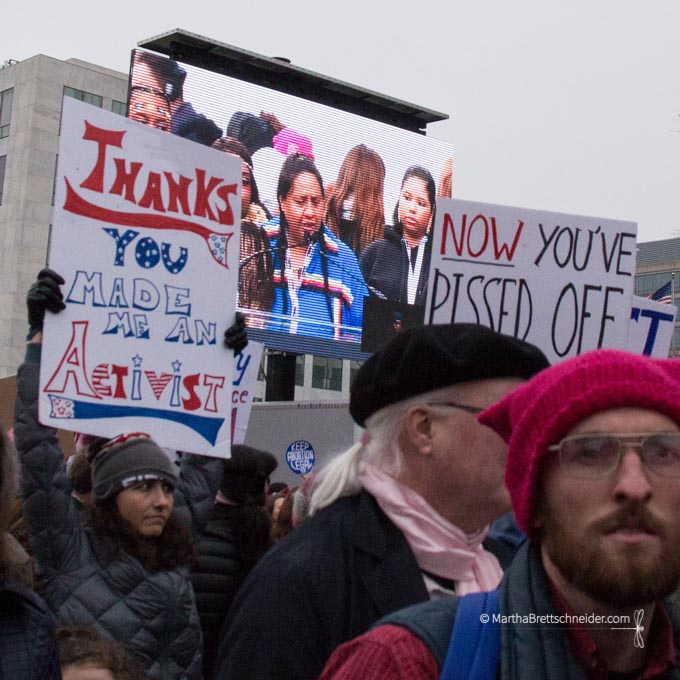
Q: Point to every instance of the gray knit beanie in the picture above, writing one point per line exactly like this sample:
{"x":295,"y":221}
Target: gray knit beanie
{"x":127,"y":460}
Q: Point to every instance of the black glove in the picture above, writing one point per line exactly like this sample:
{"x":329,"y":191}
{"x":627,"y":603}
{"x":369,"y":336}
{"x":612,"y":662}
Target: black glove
{"x":236,"y":336}
{"x":44,"y":294}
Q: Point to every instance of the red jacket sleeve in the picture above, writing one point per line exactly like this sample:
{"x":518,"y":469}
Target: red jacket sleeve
{"x":385,"y":652}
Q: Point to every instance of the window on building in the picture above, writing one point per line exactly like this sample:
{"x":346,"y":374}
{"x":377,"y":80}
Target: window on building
{"x":6,"y":97}
{"x":3,"y":165}
{"x":300,"y":370}
{"x":327,"y":373}
{"x":354,"y":367}
{"x":82,"y":96}
{"x":119,"y":107}
{"x":646,"y":284}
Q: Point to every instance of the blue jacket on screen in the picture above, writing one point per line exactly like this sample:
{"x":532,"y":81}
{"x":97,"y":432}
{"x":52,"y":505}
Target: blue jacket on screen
{"x":346,"y":291}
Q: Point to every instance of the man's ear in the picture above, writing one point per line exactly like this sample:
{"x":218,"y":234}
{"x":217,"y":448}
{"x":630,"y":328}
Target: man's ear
{"x":417,"y":428}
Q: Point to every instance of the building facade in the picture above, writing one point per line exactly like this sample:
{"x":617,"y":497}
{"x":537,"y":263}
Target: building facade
{"x":31,"y":93}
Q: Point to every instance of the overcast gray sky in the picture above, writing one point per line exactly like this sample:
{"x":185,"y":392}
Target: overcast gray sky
{"x":564,"y":106}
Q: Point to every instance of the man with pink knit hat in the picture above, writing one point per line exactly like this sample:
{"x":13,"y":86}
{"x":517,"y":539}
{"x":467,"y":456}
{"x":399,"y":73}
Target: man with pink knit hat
{"x":593,"y":472}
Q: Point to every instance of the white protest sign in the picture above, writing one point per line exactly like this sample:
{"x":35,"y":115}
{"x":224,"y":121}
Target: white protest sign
{"x":651,"y":327}
{"x":246,"y":368}
{"x":146,"y":234}
{"x":561,"y":282}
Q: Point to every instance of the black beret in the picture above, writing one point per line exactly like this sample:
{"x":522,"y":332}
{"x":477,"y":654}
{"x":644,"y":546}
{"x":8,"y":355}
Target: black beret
{"x":426,"y":358}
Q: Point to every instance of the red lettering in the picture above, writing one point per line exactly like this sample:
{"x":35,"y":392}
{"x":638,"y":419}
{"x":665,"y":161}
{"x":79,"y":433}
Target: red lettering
{"x":120,"y":372}
{"x":509,"y":252}
{"x":178,"y":192}
{"x":152,"y":195}
{"x":104,"y":138}
{"x":192,"y":402}
{"x":99,"y":376}
{"x":486,"y":236}
{"x":449,"y":225}
{"x":214,"y":383}
{"x":226,"y":216}
{"x":201,"y":206}
{"x":72,"y":365}
{"x":125,"y":181}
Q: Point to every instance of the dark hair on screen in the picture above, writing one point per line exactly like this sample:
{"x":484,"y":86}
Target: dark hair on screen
{"x":421,"y":173}
{"x":296,"y":164}
{"x":168,"y":73}
{"x":236,"y":148}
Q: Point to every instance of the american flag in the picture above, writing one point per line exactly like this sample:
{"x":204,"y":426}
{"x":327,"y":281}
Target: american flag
{"x":664,"y":294}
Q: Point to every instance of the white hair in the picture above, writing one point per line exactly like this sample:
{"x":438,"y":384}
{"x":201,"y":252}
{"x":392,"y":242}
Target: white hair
{"x":379,"y":446}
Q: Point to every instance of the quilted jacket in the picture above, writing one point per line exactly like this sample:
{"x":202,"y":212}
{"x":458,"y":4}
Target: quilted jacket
{"x":153,"y":614}
{"x":28,"y":646}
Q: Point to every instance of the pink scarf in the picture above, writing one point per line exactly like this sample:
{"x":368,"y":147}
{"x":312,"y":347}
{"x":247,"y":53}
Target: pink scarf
{"x":440,"y":547}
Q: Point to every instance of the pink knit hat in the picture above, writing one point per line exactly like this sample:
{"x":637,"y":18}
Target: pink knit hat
{"x":544,"y":409}
{"x":289,"y":142}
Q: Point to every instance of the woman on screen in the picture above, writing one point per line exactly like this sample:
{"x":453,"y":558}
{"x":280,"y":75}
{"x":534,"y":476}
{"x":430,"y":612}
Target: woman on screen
{"x":355,"y":205}
{"x":256,"y":271}
{"x":397,"y":266}
{"x":319,"y":288}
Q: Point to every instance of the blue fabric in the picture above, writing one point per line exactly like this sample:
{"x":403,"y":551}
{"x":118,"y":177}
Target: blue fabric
{"x":346,"y":286}
{"x":475,"y":647}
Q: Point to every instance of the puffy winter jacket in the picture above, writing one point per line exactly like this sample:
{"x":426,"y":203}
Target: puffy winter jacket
{"x":153,"y":614}
{"x":28,"y":646}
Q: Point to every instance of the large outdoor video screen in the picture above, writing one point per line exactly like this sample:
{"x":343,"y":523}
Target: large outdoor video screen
{"x":337,"y":209}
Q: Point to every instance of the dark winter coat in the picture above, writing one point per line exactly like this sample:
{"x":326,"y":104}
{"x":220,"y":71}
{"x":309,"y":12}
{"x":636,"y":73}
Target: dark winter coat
{"x":28,"y":646}
{"x":219,"y":570}
{"x":326,"y":582}
{"x":385,"y":265}
{"x":153,"y":614}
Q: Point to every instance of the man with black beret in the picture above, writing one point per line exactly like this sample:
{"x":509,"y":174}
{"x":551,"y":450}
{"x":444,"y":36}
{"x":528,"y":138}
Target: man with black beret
{"x":399,"y":517}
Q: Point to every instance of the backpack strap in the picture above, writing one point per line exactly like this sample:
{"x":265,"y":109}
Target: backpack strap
{"x":475,"y":647}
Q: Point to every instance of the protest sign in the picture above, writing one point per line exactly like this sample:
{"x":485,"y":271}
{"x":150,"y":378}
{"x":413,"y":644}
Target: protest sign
{"x":561,"y":282}
{"x":302,"y":435}
{"x":146,"y":234}
{"x":651,"y":327}
{"x":246,"y":367}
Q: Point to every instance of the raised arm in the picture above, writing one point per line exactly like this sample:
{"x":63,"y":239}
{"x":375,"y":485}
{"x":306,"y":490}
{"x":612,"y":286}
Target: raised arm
{"x":51,"y":515}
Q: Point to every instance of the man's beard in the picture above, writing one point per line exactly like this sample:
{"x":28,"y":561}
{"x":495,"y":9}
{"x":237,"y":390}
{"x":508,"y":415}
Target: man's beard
{"x":628,"y":577}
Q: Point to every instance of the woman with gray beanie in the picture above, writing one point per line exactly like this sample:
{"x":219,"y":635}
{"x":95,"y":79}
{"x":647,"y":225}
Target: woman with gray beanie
{"x":122,"y":565}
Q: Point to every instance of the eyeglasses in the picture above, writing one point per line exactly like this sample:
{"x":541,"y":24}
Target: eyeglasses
{"x":462,"y":407}
{"x":588,"y":456}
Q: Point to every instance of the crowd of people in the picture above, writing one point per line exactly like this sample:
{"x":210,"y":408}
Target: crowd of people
{"x":499,"y":516}
{"x":399,"y":559}
{"x":311,"y":254}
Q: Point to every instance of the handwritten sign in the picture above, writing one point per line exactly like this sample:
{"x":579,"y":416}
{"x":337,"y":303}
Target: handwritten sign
{"x":651,"y":327}
{"x":246,"y":368}
{"x":146,"y":234}
{"x":562,"y":282}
